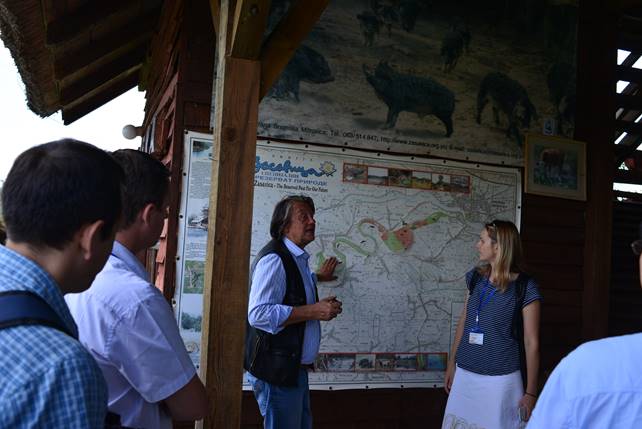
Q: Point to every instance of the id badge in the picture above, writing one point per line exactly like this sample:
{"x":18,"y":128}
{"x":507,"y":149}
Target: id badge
{"x":476,"y":338}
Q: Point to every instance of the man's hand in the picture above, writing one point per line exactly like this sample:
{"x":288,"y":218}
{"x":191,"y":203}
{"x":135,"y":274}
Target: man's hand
{"x":328,"y":308}
{"x":326,"y":270}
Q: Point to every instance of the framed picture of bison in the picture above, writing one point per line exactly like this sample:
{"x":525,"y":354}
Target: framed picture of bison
{"x":555,"y":167}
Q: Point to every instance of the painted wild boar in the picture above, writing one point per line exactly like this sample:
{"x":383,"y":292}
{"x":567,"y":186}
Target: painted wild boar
{"x":306,"y":65}
{"x":407,"y":93}
{"x":508,"y":97}
{"x":452,"y":47}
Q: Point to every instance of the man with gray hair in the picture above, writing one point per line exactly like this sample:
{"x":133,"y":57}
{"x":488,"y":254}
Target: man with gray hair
{"x":283,"y":331}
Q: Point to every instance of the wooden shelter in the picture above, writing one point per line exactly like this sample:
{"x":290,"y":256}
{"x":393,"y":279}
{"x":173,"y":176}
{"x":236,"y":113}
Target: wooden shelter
{"x":76,"y":55}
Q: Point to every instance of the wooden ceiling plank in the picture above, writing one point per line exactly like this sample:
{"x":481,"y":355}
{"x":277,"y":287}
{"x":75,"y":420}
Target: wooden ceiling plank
{"x":629,"y":127}
{"x":286,"y":38}
{"x":629,"y":102}
{"x":134,"y":33}
{"x":67,"y":26}
{"x":250,"y":20}
{"x":107,"y":94}
{"x":628,"y":176}
{"x":628,"y":74}
{"x":625,"y":150}
{"x":101,"y":76}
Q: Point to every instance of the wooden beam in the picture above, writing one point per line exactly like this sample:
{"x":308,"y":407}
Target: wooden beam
{"x":286,"y":38}
{"x":629,"y":42}
{"x":249,"y":26}
{"x":215,"y":7}
{"x":229,"y":230}
{"x":104,"y":74}
{"x":597,"y":52}
{"x":131,"y":34}
{"x":105,"y":95}
{"x":89,"y":13}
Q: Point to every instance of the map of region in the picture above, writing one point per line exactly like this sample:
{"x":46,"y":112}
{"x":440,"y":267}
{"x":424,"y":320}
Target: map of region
{"x":404,"y":231}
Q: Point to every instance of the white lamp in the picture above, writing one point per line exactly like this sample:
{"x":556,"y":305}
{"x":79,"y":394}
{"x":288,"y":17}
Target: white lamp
{"x":130,"y":132}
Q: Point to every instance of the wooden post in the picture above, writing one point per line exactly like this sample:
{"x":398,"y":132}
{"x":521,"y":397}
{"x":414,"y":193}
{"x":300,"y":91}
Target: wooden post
{"x":228,"y":242}
{"x":597,"y":56}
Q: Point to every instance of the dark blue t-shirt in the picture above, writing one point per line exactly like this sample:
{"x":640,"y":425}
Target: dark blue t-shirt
{"x":499,"y":355}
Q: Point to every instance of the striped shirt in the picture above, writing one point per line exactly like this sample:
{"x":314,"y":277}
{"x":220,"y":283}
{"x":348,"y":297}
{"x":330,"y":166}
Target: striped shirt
{"x":47,"y":379}
{"x":265,"y":309}
{"x":499,"y":355}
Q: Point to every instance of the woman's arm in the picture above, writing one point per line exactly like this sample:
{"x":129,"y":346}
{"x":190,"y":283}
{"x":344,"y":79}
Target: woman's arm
{"x":450,"y":369}
{"x":531,"y":314}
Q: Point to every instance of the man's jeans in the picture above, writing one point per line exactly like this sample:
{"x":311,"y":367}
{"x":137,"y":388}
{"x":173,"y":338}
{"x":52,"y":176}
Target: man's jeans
{"x":283,"y":407}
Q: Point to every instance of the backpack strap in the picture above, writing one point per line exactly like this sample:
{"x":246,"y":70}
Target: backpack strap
{"x":473,"y":281}
{"x":517,"y":324}
{"x":21,"y":307}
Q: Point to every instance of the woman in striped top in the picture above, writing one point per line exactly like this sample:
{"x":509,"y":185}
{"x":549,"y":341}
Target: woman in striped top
{"x":484,"y":374}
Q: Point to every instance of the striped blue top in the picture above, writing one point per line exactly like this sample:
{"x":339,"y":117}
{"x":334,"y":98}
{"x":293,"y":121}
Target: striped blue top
{"x":47,"y":379}
{"x":499,"y":355}
{"x":266,"y":310}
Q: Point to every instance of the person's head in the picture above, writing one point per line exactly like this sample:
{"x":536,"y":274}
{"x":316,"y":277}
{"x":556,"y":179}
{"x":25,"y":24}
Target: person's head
{"x":293,"y":218}
{"x":61,"y":195}
{"x":500,"y":248}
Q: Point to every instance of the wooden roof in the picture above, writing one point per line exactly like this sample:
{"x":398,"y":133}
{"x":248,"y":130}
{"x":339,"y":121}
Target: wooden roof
{"x":76,"y":55}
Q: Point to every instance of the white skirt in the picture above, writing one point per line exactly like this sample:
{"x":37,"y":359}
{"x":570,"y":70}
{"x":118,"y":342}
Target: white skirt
{"x":484,"y":401}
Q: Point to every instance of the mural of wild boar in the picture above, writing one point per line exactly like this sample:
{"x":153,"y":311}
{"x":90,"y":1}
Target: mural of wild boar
{"x":408,"y":11}
{"x":453,"y":45}
{"x":306,"y":65}
{"x":509,"y":97}
{"x":560,"y":81}
{"x":403,"y":92}
{"x":369,"y":23}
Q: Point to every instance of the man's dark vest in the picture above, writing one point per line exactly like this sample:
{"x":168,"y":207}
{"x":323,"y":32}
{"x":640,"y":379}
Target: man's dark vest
{"x":277,"y":358}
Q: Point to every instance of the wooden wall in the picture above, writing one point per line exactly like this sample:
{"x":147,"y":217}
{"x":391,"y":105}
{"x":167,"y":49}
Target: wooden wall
{"x":567,"y":243}
{"x":179,"y":91}
{"x":625,"y":310}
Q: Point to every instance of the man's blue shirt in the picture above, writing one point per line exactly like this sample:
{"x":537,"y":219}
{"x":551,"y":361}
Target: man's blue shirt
{"x":266,"y":310}
{"x":47,"y":379}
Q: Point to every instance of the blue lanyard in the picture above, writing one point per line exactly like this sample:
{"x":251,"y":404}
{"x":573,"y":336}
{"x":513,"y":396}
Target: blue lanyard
{"x":482,"y":301}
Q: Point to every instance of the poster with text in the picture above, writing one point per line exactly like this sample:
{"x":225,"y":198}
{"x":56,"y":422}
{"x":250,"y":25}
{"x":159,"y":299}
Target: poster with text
{"x":404,"y":230}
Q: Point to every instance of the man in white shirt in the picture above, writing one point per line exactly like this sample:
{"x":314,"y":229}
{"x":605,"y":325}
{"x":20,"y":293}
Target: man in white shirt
{"x":126,"y":323}
{"x":598,"y":385}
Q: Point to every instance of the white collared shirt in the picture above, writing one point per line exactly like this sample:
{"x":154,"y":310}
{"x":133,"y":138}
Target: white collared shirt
{"x":129,"y":328}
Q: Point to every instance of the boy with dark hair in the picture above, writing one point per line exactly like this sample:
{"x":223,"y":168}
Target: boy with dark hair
{"x":61,"y":202}
{"x":125,"y":321}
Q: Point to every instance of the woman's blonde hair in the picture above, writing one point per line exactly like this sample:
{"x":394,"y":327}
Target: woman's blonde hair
{"x":509,"y":258}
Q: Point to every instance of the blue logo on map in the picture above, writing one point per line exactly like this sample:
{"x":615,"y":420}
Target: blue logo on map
{"x":326,"y":168}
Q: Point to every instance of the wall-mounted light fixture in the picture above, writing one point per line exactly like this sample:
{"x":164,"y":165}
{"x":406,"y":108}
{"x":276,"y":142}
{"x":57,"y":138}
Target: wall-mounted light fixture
{"x":130,"y":132}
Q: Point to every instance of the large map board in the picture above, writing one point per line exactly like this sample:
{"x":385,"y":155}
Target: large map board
{"x":403,"y":228}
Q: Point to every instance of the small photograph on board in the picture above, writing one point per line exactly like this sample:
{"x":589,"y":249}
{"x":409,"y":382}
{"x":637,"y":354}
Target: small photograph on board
{"x":401,"y":178}
{"x":365,"y":361}
{"x":406,"y":362}
{"x":385,"y":362}
{"x":555,"y":167}
{"x":355,"y":173}
{"x":377,"y":176}
{"x":193,"y":276}
{"x":421,"y":180}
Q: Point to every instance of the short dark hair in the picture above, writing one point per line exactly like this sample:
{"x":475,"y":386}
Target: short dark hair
{"x":146,"y":181}
{"x":282,"y":214}
{"x":53,"y":189}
